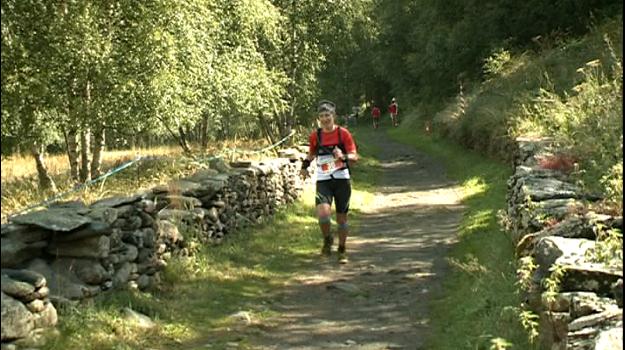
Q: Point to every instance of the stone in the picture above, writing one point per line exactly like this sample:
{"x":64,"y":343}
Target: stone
{"x":183,"y":187}
{"x":47,"y":317}
{"x":169,"y":231}
{"x":179,"y":202}
{"x":242,"y":317}
{"x":595,"y":319}
{"x":60,"y":283}
{"x":610,"y":339}
{"x":553,"y":328}
{"x":138,"y":319}
{"x":77,"y":206}
{"x":25,"y":233}
{"x":35,"y":306}
{"x":146,"y":205}
{"x":123,"y":274}
{"x":116,"y":201}
{"x":177,"y":215}
{"x":28,"y":276}
{"x":147,"y":220}
{"x":128,"y":253}
{"x":41,"y":293}
{"x":91,"y":247}
{"x":548,"y":250}
{"x":87,"y":231}
{"x":16,"y":289}
{"x":17,"y":321}
{"x":212,"y":214}
{"x":59,"y":219}
{"x":14,"y":253}
{"x":143,"y":282}
{"x":103,"y":214}
{"x":592,"y":277}
{"x":126,"y":210}
{"x":87,"y":270}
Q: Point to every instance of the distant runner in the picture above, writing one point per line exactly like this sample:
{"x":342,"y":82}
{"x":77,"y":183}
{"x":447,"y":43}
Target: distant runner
{"x":375,"y":114}
{"x":393,"y":110}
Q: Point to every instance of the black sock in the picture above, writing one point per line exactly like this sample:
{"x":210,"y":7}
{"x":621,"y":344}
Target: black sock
{"x":341,"y":249}
{"x":328,"y":240}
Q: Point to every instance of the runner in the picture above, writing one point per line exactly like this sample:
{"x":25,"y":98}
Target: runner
{"x":393,"y":110}
{"x":334,"y":149}
{"x":375,"y":113}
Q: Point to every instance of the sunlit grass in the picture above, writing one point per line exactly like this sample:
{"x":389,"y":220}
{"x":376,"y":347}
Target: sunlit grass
{"x":479,"y":305}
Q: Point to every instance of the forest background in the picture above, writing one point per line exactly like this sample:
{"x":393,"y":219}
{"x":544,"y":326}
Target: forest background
{"x":81,"y":77}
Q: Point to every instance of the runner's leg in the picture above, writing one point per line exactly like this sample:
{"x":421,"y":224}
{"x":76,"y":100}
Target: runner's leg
{"x":323,"y":200}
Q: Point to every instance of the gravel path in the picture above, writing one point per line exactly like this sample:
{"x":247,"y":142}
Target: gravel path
{"x":379,"y":300}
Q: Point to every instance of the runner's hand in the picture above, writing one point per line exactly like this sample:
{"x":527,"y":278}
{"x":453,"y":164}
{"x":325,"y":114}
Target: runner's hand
{"x":338,"y":154}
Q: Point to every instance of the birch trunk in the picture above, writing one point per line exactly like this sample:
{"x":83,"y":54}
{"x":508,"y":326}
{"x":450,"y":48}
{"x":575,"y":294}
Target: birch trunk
{"x":45,"y":181}
{"x":98,"y":148}
{"x":85,"y":161}
{"x":204,"y":132}
{"x":72,"y":153}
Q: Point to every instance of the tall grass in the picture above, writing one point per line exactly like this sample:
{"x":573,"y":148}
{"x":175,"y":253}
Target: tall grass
{"x":20,"y":188}
{"x":571,"y":91}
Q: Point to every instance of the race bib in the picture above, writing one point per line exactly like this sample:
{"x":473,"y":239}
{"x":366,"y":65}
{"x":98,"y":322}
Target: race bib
{"x":327,"y":164}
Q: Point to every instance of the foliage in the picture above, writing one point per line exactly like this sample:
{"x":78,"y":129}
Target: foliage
{"x":609,"y":246}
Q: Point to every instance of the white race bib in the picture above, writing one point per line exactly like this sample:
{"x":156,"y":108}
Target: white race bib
{"x":327,"y":164}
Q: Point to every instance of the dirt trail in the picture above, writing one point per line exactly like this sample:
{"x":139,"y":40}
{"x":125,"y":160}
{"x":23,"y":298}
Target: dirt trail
{"x":379,"y":300}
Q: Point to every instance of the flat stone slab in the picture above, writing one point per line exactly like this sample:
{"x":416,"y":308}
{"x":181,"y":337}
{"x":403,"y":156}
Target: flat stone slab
{"x":53,"y":219}
{"x":116,"y":201}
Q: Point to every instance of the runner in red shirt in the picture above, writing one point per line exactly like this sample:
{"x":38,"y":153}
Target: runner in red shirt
{"x":334,"y":149}
{"x":375,"y":113}
{"x":392,"y":109}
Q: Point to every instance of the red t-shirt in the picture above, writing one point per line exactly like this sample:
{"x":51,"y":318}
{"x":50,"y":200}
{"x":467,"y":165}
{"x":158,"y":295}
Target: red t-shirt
{"x":375,"y":112}
{"x":392,"y":108}
{"x":332,"y":138}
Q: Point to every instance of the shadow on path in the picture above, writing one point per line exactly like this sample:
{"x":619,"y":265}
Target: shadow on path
{"x":379,"y":300}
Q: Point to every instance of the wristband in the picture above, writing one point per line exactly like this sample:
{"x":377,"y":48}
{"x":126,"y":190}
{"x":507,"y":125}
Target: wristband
{"x":305,"y":164}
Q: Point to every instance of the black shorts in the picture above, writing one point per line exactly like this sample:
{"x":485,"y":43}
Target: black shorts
{"x":339,"y":189}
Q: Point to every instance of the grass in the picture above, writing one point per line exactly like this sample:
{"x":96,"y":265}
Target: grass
{"x":199,"y":293}
{"x":20,"y":188}
{"x":478,"y":307}
{"x":571,"y":91}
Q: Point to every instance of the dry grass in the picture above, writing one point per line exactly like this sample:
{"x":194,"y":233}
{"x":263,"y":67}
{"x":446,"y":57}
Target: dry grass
{"x":19,"y":180}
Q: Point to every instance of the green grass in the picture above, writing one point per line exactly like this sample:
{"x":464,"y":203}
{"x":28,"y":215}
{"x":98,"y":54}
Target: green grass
{"x":478,"y":307}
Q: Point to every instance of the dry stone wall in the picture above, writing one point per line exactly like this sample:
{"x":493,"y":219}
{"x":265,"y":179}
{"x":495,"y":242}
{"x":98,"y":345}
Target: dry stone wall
{"x":558,"y":239}
{"x":72,"y":251}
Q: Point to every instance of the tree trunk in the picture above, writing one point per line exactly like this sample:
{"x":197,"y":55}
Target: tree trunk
{"x":182,"y":140}
{"x":204,"y":131}
{"x":85,"y":138}
{"x":71,"y":140}
{"x":98,"y":148}
{"x":45,"y":181}
{"x":85,"y":161}
{"x":263,"y":124}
